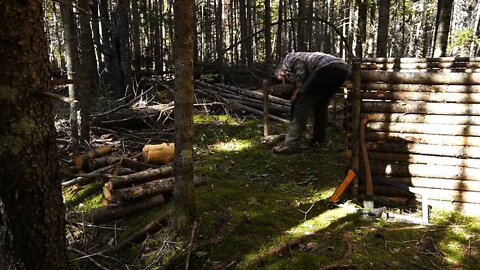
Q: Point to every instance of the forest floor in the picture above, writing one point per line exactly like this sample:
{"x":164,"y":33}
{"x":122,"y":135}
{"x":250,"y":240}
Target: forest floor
{"x":260,"y":210}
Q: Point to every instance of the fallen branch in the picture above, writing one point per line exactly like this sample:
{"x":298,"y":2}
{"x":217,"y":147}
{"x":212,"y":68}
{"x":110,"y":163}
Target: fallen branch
{"x":145,"y":190}
{"x":139,"y":177}
{"x":60,"y":97}
{"x":87,"y":178}
{"x":150,"y":229}
{"x":112,"y":212}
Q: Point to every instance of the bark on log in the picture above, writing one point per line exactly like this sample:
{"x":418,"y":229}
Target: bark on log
{"x":248,"y":93}
{"x":421,"y":118}
{"x":381,"y":86}
{"x":421,"y":107}
{"x":140,"y":177}
{"x":425,"y":149}
{"x":420,"y":138}
{"x":421,"y":78}
{"x":109,"y":213}
{"x":146,"y":189}
{"x":424,"y":67}
{"x":86,"y":179}
{"x":258,"y":112}
{"x":137,"y":165}
{"x":422,"y":159}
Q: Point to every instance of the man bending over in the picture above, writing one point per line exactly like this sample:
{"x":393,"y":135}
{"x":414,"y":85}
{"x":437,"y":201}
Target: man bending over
{"x":316,"y":76}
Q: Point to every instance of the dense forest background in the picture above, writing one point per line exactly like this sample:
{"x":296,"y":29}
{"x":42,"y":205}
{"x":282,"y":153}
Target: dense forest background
{"x":121,"y":40}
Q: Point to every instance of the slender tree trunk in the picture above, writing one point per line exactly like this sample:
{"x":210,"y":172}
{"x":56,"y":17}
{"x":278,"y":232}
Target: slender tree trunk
{"x":219,"y":37}
{"x":156,"y":40}
{"x":73,"y":67}
{"x":243,"y":31}
{"x":85,"y":92}
{"x":301,"y":42}
{"x":268,"y":38}
{"x":362,"y":27}
{"x":280,"y":29}
{"x":442,"y":29}
{"x":136,"y":37}
{"x":249,"y":28}
{"x":383,"y":24}
{"x":32,"y":221}
{"x":112,"y":72}
{"x":96,"y":36}
{"x":124,"y":44}
{"x":183,"y":199}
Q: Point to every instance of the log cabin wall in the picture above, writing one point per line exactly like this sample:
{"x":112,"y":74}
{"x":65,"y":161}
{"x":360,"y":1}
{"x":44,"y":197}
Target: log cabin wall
{"x":423,"y":131}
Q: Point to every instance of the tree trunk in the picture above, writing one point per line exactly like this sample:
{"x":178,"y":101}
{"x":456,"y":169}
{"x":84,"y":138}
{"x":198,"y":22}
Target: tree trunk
{"x":442,"y":29}
{"x":268,"y":38}
{"x":219,"y":38}
{"x":383,"y":26}
{"x":362,"y":27}
{"x":32,"y":221}
{"x":280,"y":28}
{"x":73,"y":67}
{"x":85,"y":93}
{"x":123,"y":44}
{"x":136,"y":37}
{"x":243,"y":31}
{"x":183,"y":199}
{"x":111,"y":74}
{"x":100,"y":64}
{"x":301,"y":42}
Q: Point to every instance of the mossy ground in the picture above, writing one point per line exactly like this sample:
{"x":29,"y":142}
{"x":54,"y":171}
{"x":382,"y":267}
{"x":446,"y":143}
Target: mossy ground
{"x":256,"y":200}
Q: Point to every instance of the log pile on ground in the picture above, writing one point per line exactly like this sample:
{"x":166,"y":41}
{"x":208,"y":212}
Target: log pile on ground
{"x":129,"y":185}
{"x":210,"y":98}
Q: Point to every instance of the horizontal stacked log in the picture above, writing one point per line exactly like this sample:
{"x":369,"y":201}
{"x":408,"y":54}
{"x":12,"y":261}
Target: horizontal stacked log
{"x":423,"y":130}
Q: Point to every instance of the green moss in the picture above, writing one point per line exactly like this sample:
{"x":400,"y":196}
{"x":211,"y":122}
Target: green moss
{"x":256,"y":201}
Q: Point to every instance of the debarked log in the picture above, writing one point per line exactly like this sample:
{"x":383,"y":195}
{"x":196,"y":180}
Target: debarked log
{"x":424,"y":67}
{"x":422,"y":128}
{"x":420,"y":77}
{"x":431,"y":193}
{"x":420,"y":107}
{"x":429,"y":88}
{"x":466,"y":208}
{"x":438,"y":183}
{"x":140,"y":177}
{"x":401,"y":137}
{"x":146,"y":189}
{"x":425,"y":149}
{"x":465,"y":98}
{"x":421,"y":118}
{"x":403,"y":169}
{"x":454,"y":60}
{"x":113,"y":212}
{"x":422,"y":159}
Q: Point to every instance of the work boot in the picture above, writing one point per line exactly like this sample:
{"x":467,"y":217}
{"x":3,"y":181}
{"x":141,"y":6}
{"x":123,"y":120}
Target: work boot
{"x":287,"y":148}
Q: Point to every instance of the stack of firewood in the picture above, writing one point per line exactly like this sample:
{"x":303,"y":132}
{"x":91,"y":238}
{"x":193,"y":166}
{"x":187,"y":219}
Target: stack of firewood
{"x":130,"y":186}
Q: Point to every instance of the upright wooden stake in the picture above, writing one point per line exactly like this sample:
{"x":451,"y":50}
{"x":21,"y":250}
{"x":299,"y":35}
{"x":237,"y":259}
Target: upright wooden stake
{"x":356,"y":122}
{"x":266,"y":92}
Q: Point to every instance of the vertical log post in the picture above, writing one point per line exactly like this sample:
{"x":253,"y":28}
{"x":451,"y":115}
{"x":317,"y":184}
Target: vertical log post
{"x":357,"y":100}
{"x":266,"y":93}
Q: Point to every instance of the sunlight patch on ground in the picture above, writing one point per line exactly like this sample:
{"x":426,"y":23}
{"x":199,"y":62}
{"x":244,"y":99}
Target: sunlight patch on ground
{"x":319,"y":222}
{"x":232,"y":146}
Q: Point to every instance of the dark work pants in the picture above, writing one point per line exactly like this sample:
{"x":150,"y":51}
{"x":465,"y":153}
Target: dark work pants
{"x":315,"y":94}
